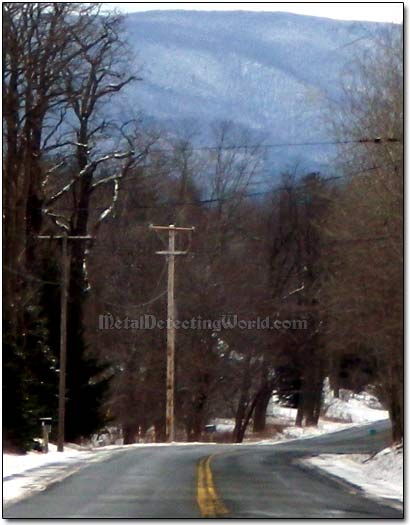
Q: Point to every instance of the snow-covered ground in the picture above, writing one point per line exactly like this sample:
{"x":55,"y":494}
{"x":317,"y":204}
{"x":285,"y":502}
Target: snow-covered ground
{"x":380,"y":475}
{"x":349,"y":407}
{"x":354,"y":410}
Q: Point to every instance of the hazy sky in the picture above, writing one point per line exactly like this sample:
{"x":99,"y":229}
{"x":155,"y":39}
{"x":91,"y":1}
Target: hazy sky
{"x":374,"y":11}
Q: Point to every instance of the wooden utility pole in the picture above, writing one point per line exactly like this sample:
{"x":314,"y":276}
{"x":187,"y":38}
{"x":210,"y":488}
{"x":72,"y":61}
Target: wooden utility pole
{"x":170,"y":384}
{"x":65,"y":278}
{"x":170,"y":430}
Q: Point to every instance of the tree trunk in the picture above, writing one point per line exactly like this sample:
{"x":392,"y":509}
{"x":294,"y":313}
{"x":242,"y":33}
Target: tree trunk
{"x":160,"y":434}
{"x":238,"y":433}
{"x":248,"y":415}
{"x":396,"y":411}
{"x":300,"y":412}
{"x":240,"y":414}
{"x":129,"y":432}
{"x":198,"y":418}
{"x":261,"y":406}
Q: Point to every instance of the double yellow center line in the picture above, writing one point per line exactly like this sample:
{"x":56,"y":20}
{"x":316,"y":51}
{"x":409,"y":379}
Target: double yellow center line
{"x":210,"y":504}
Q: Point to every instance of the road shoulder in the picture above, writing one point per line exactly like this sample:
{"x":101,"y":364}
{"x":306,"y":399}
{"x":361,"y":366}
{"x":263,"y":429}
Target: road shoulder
{"x":379,"y":477}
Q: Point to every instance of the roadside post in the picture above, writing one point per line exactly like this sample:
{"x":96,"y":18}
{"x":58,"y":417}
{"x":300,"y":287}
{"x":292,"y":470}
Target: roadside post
{"x":373,"y":434}
{"x":46,"y":428}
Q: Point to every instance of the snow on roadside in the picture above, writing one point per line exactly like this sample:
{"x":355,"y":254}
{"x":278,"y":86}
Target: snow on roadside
{"x":14,"y":464}
{"x":323,"y":427}
{"x":380,"y":475}
{"x":34,"y":471}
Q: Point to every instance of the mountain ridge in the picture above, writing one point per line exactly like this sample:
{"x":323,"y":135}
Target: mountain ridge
{"x":268,"y":72}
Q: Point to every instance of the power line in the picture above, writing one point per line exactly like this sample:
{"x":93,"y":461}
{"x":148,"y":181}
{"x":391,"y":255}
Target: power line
{"x":151,"y":301}
{"x":137,"y":306}
{"x":364,"y":239}
{"x":28,"y":276}
{"x":374,"y":140}
{"x":147,"y":253}
{"x":200,"y":202}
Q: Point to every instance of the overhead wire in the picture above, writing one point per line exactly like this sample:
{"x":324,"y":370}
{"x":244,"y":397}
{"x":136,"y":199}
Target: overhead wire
{"x":374,"y":140}
{"x":28,"y":276}
{"x":200,"y":202}
{"x":137,"y":306}
{"x":147,"y":303}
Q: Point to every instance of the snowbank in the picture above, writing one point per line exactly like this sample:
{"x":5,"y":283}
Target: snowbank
{"x":32,"y":472}
{"x":380,"y":475}
{"x":15,"y":464}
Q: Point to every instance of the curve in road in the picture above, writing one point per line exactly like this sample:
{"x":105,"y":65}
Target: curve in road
{"x":225,"y":481}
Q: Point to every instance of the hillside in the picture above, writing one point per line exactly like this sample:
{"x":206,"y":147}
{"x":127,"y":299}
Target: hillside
{"x":270,"y":73}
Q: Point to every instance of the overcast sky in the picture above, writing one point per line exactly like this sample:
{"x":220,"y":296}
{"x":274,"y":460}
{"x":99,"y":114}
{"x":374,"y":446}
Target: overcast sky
{"x":374,"y":11}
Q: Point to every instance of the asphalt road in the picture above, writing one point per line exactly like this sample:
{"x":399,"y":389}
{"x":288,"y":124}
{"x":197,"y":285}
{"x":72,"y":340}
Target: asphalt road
{"x":214,"y":481}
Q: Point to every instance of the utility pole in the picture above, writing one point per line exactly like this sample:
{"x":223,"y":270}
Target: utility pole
{"x":170,"y":384}
{"x":65,"y":278}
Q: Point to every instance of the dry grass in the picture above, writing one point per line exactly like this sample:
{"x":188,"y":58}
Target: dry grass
{"x":220,"y":437}
{"x":271,"y":431}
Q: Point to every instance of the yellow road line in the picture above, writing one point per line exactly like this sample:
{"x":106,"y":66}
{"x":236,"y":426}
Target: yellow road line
{"x":209,"y":502}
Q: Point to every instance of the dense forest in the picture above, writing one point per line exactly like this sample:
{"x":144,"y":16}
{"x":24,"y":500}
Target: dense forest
{"x":323,"y":249}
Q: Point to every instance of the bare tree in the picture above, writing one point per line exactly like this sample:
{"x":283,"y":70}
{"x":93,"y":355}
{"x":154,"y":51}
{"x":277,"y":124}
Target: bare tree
{"x":366,"y":226}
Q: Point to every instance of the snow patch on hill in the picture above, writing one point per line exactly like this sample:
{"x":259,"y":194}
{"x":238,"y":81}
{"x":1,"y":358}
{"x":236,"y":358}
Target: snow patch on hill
{"x":349,"y":407}
{"x":354,"y":410}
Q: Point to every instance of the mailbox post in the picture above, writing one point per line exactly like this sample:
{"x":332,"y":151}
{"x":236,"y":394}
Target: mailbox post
{"x":46,"y":428}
